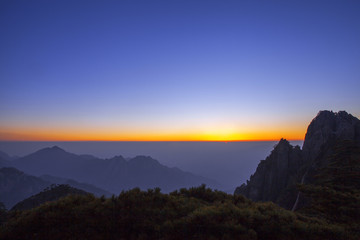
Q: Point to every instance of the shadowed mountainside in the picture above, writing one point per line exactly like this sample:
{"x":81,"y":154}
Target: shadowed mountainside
{"x":52,"y":193}
{"x":16,"y":186}
{"x":72,"y":183}
{"x":276,"y":177}
{"x":334,"y":193}
{"x":4,"y":160}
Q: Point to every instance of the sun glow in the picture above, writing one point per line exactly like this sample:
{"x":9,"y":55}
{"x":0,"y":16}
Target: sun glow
{"x":109,"y":134}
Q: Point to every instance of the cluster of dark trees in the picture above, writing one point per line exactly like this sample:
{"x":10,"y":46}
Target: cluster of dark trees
{"x":333,"y":212}
{"x":195,"y":213}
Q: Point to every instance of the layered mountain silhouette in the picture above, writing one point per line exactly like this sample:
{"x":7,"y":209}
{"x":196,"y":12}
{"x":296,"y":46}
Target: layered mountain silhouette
{"x":113,"y":175}
{"x":5,"y":159}
{"x":72,"y":183}
{"x":15,"y":186}
{"x":276,"y":177}
{"x":52,"y":193}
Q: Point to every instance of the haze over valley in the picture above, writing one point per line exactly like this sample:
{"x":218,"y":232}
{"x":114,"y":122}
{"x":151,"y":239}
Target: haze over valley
{"x":228,"y":163}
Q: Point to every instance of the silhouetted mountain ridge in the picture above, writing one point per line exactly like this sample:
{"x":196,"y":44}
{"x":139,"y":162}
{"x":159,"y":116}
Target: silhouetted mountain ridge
{"x":5,"y":159}
{"x":5,"y":156}
{"x":15,"y":186}
{"x":82,"y":186}
{"x":114,"y":174}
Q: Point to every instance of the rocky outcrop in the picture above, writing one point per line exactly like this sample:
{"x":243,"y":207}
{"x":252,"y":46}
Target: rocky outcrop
{"x":326,"y":128}
{"x":276,"y":177}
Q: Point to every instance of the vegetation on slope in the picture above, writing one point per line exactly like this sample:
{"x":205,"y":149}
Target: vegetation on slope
{"x":335,"y":194}
{"x":195,"y":213}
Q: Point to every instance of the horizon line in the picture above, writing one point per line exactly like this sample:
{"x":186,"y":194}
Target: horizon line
{"x":226,"y":141}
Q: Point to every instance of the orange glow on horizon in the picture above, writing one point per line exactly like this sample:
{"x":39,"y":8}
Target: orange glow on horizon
{"x":116,"y":135}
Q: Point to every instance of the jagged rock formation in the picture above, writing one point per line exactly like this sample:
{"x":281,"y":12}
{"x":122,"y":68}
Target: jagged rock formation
{"x":274,"y":174}
{"x":276,"y":177}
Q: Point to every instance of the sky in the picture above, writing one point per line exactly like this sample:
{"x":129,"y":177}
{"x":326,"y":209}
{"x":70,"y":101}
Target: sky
{"x":175,"y":70}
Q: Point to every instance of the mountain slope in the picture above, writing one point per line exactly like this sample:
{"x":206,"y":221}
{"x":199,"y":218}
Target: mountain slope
{"x":53,"y":193}
{"x":16,"y":186}
{"x":4,"y":159}
{"x":6,"y":156}
{"x":82,"y":186}
{"x":114,"y":175}
{"x":276,"y":177}
{"x":335,"y":192}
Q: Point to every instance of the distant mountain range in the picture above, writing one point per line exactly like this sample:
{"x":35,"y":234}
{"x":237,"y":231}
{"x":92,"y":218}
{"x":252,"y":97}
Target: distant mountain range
{"x":276,"y":178}
{"x":95,"y":175}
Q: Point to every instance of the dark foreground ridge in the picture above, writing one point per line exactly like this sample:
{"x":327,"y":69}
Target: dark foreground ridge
{"x":195,"y":213}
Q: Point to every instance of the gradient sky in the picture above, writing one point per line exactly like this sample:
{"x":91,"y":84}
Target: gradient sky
{"x":175,"y":70}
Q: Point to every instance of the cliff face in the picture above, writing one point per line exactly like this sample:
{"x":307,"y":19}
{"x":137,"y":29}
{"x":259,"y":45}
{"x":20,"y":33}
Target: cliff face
{"x":276,"y":177}
{"x":324,"y":130}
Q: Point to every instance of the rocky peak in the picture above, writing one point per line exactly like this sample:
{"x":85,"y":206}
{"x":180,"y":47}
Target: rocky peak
{"x":49,"y":151}
{"x":282,"y":144}
{"x":273,"y":174}
{"x":329,"y":126}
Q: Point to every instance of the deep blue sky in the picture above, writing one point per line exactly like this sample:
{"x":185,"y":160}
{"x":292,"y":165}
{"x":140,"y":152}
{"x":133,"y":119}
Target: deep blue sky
{"x":173,"y":69}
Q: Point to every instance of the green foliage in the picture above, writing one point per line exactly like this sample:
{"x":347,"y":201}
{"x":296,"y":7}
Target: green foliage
{"x":195,"y":213}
